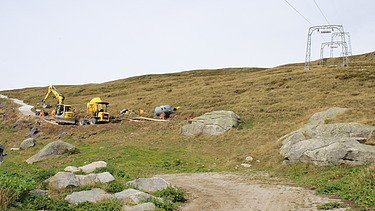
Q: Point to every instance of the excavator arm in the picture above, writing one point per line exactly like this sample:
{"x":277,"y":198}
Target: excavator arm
{"x":59,"y":97}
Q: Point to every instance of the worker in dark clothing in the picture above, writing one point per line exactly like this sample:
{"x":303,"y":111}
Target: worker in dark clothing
{"x":1,"y":153}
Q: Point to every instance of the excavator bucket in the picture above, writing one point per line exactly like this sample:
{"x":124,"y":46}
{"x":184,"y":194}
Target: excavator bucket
{"x":46,"y":105}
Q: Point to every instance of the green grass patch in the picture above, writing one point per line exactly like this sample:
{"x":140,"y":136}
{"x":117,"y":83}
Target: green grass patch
{"x":356,"y":184}
{"x":331,"y":205}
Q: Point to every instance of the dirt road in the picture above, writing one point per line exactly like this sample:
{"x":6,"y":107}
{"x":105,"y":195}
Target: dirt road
{"x":231,"y":191}
{"x":24,"y":108}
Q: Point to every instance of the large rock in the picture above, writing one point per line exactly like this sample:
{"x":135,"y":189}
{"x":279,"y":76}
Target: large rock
{"x":213,"y":123}
{"x":93,"y":195}
{"x":140,"y":207}
{"x":62,"y":180}
{"x":329,"y":144}
{"x":50,"y":150}
{"x":132,"y":196}
{"x":86,"y":179}
{"x":103,"y":177}
{"x":30,"y":142}
{"x":93,"y":166}
{"x":149,"y":184}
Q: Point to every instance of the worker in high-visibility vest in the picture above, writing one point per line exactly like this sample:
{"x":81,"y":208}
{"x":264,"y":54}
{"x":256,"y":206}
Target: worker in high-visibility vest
{"x":52,"y":114}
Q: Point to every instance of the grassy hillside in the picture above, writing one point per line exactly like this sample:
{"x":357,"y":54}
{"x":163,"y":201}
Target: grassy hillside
{"x":271,"y":102}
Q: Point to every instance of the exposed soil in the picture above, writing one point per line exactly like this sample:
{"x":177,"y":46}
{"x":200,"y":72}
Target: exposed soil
{"x":231,"y":191}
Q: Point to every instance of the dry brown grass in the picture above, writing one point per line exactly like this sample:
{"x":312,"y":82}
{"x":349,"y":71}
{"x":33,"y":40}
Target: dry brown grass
{"x":275,"y":101}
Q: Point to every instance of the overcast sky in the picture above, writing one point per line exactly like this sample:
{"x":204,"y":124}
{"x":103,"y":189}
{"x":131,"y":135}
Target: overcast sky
{"x":45,"y":42}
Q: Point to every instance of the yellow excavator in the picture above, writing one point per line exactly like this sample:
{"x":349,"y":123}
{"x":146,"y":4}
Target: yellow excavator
{"x":62,"y":114}
{"x":97,"y":111}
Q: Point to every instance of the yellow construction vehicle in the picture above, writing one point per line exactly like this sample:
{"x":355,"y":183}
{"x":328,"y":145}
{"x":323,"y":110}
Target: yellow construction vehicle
{"x":97,"y":111}
{"x":62,"y":113}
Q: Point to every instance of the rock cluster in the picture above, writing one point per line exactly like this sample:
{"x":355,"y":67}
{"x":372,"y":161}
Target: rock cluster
{"x":329,"y":144}
{"x":213,"y":123}
{"x":65,"y":179}
{"x":128,"y":196}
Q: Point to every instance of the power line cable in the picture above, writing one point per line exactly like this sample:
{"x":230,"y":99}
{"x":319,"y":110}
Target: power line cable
{"x":321,"y":11}
{"x":298,"y":12}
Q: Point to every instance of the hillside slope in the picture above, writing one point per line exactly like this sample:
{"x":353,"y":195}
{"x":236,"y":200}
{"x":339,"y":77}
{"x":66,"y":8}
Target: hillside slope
{"x":271,"y":102}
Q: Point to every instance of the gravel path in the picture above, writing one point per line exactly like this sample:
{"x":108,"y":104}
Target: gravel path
{"x":24,"y":108}
{"x":231,"y":191}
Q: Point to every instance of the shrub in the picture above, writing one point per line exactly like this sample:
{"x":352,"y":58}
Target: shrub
{"x":171,"y":193}
{"x":114,"y":187}
{"x":166,"y":205}
{"x":106,"y":205}
{"x":41,"y":176}
{"x":7,"y":196}
{"x":36,"y":202}
{"x":14,"y":187}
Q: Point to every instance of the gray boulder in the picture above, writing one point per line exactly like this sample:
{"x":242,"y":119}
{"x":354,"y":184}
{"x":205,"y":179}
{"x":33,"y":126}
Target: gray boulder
{"x":213,"y":123}
{"x":86,"y":179}
{"x":93,"y":166}
{"x":329,"y":144}
{"x":72,"y":169}
{"x":104,"y":177}
{"x":149,"y":184}
{"x":30,"y":142}
{"x":140,"y":207}
{"x":62,"y":180}
{"x":94,"y":178}
{"x":93,"y":195}
{"x":132,"y":196}
{"x":50,"y":150}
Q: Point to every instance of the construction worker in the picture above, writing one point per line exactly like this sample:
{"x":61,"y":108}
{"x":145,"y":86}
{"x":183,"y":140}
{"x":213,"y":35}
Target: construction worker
{"x":53,"y":114}
{"x":41,"y":113}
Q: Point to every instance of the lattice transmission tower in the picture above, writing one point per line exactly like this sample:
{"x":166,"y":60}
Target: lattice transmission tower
{"x":331,"y":45}
{"x":326,"y":29}
{"x":347,"y":39}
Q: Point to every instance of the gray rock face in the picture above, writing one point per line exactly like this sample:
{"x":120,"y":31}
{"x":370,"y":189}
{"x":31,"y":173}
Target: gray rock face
{"x":132,"y":196}
{"x":149,"y":184}
{"x":94,"y":178}
{"x":329,"y":144}
{"x":213,"y":123}
{"x":27,"y":143}
{"x":104,"y":177}
{"x":86,"y":179}
{"x":72,"y":169}
{"x":62,"y":180}
{"x":51,"y":150}
{"x":140,"y":207}
{"x":93,"y":195}
{"x":92,"y":166}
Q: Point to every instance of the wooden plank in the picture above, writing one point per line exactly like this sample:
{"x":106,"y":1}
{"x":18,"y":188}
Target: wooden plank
{"x":149,"y":119}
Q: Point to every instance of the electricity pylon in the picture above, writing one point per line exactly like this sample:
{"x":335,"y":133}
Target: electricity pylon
{"x":325,"y":29}
{"x":347,"y":39}
{"x":332,"y":44}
